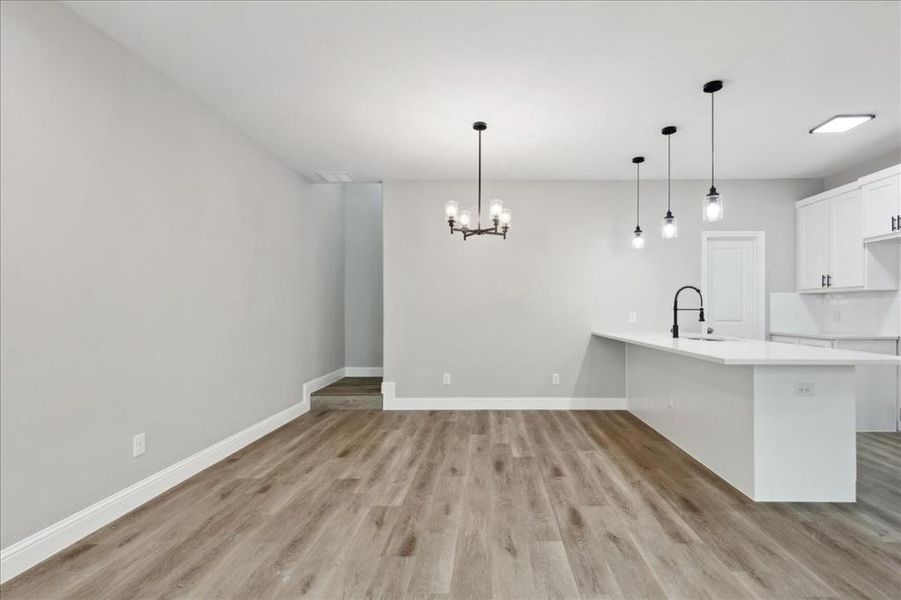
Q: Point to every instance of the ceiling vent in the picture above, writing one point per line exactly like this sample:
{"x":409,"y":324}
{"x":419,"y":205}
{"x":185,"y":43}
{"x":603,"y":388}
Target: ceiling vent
{"x":335,"y":176}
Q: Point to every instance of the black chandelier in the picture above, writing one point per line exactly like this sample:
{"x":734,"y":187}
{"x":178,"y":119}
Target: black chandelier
{"x":500,"y":216}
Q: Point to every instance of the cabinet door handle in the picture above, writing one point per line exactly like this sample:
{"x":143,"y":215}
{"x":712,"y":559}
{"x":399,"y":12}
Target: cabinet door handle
{"x":894,"y":219}
{"x":828,"y":280}
{"x":822,"y":281}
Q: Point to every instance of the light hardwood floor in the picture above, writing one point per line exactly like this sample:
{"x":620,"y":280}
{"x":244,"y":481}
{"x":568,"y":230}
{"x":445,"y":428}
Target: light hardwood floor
{"x":353,"y":504}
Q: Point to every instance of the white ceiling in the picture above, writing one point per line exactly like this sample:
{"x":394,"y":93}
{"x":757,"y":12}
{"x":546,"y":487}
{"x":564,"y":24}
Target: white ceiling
{"x":388,"y":90}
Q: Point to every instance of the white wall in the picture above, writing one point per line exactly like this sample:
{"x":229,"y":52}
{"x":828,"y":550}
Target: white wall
{"x":363,"y":275}
{"x":159,"y":273}
{"x":502,"y":315}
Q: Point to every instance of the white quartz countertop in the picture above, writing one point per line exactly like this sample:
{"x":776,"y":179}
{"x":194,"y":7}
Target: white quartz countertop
{"x":750,"y":352}
{"x":834,"y":336}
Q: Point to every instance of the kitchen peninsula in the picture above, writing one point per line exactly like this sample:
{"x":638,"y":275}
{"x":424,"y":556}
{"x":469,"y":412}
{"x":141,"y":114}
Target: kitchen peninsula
{"x":776,"y":421}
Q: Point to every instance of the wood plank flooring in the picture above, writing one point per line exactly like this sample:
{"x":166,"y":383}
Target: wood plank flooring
{"x":371,"y":504}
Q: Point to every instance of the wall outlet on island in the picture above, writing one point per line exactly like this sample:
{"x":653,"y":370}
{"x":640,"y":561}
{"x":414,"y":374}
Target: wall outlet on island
{"x":804,"y":389}
{"x":633,"y":317}
{"x":446,"y":379}
{"x":555,"y":379}
{"x":836,"y":316}
{"x":138,"y":445}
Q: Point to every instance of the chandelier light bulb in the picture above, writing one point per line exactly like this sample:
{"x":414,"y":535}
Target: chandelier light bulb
{"x":506,"y":217}
{"x":465,"y":218}
{"x":451,"y":210}
{"x":495,"y":208}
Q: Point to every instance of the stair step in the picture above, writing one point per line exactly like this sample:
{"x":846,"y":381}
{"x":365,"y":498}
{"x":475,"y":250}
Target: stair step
{"x":346,"y":402}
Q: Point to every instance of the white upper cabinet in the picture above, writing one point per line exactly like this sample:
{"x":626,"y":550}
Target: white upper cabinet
{"x":813,"y":245}
{"x":882,"y":204}
{"x":846,"y":249}
{"x":832,"y":229}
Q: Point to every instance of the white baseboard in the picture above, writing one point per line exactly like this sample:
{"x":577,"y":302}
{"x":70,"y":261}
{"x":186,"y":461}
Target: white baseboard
{"x":363,"y":371}
{"x":530,"y":403}
{"x":319,"y":383}
{"x":40,"y":546}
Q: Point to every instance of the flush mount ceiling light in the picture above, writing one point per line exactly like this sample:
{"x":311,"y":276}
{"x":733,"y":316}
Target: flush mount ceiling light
{"x":842,"y":123}
{"x":637,"y":239}
{"x":713,"y":202}
{"x":669,"y":230}
{"x":500,"y":216}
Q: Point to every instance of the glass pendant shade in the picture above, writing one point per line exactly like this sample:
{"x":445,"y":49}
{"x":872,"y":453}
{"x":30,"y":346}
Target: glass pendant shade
{"x":495,"y":208}
{"x":713,"y":206}
{"x":465,"y":218}
{"x":669,"y":230}
{"x":637,"y":239}
{"x":451,"y":210}
{"x":506,"y":216}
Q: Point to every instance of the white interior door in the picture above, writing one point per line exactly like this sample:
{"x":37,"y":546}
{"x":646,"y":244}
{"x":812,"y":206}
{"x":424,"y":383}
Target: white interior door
{"x":733,"y":282}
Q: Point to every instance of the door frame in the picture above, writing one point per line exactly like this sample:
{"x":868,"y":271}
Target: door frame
{"x":759,"y":238}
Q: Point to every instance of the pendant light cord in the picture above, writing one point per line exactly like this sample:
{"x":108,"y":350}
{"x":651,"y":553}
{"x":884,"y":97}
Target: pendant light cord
{"x":637,"y":195}
{"x":712,"y":152}
{"x":668,"y":170}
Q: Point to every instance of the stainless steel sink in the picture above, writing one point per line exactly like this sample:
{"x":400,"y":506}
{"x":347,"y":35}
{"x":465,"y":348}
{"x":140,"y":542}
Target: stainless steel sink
{"x":705,"y":339}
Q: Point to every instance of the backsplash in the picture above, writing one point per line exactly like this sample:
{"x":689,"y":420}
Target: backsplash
{"x":870,"y":313}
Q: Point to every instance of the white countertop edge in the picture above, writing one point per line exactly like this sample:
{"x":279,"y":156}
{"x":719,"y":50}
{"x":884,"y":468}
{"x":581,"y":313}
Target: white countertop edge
{"x":792,"y":355}
{"x":836,"y":336}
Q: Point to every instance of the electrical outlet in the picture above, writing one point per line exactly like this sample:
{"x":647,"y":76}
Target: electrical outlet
{"x":672,"y":402}
{"x":836,"y":316}
{"x":555,"y":379}
{"x":139,"y":445}
{"x":446,"y":379}
{"x":633,"y":317}
{"x":805,"y":389}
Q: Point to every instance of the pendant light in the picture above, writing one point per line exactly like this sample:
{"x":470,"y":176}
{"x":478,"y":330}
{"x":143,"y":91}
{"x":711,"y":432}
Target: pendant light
{"x":669,"y":230}
{"x":637,"y":239}
{"x":500,"y":216}
{"x":713,"y":202}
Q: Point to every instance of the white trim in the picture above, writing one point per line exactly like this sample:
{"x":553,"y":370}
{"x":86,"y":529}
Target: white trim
{"x":26,"y":553}
{"x":319,"y":383}
{"x":529,"y":403}
{"x":881,"y":237}
{"x":759,"y":238}
{"x":387,"y":394}
{"x":363,"y":371}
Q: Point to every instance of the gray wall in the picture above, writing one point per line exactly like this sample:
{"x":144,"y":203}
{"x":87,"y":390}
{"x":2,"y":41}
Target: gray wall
{"x":854,"y":172}
{"x":502,"y":316}
{"x":363,"y":275}
{"x":160,"y":274}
